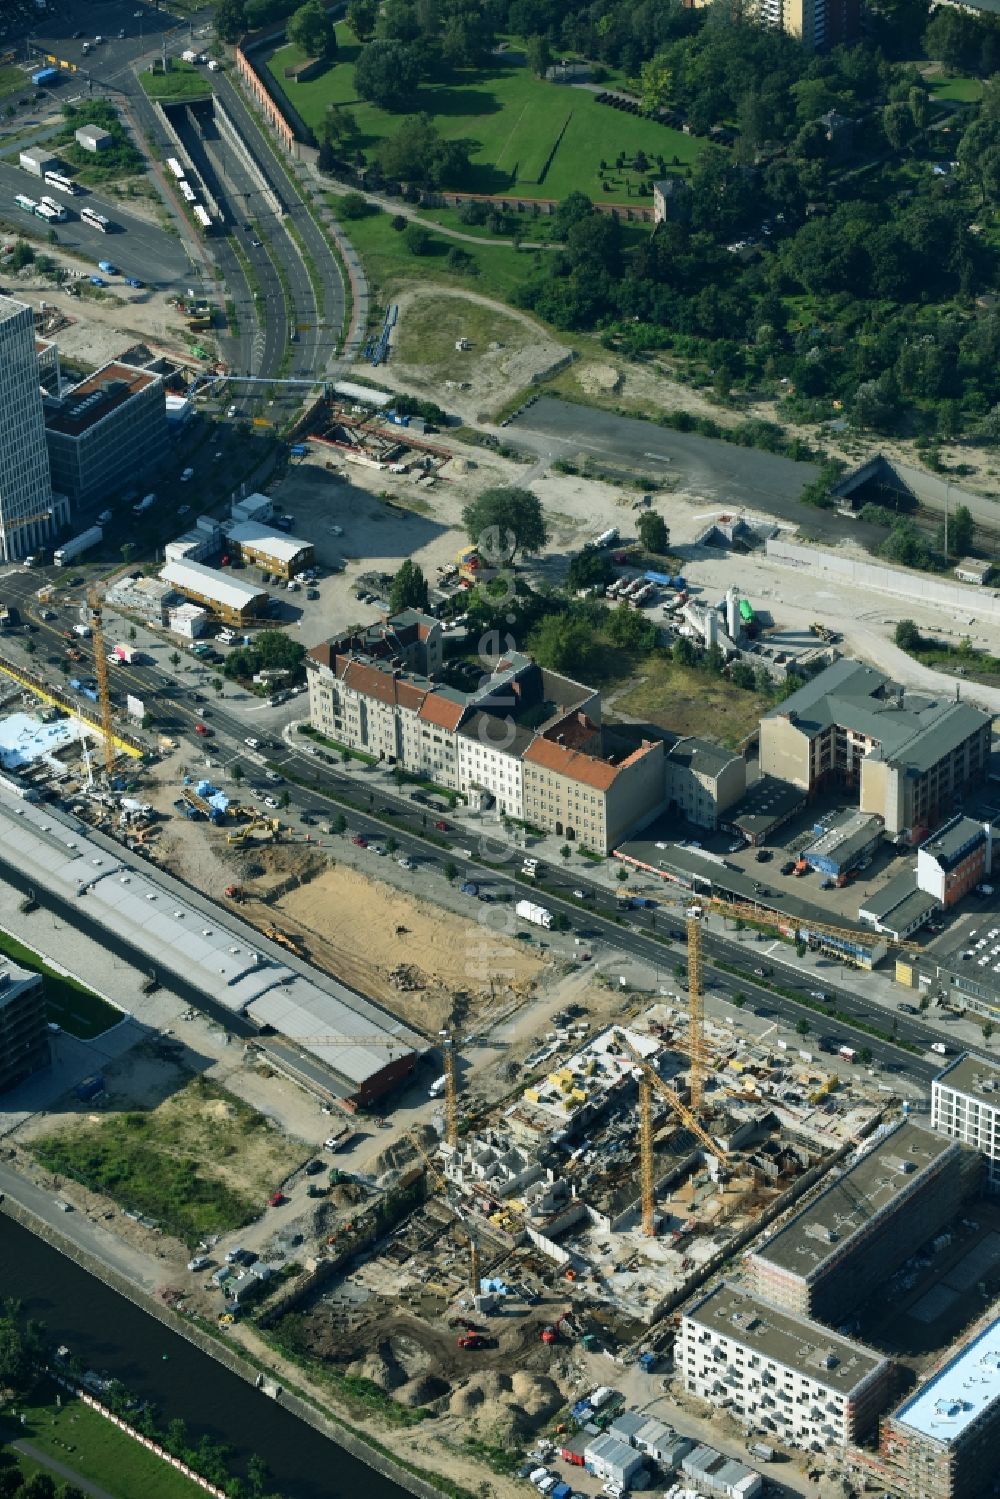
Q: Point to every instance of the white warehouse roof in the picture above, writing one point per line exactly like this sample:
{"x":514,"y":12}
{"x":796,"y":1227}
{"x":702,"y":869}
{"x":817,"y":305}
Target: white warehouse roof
{"x":267,"y":539}
{"x":207,"y":947}
{"x":210,"y":583}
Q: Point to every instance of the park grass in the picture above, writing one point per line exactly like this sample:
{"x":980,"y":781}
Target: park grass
{"x":682,"y":699}
{"x":184,"y":81}
{"x":426,"y":335}
{"x":956,"y":89}
{"x":513,"y":121}
{"x":389,"y":265}
{"x":201,"y":1162}
{"x":77,"y":1437}
{"x":67,"y":1002}
{"x":12,"y":79}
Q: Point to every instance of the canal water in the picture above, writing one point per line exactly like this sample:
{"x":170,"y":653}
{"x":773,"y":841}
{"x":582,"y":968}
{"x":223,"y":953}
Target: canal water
{"x":113,"y":1336}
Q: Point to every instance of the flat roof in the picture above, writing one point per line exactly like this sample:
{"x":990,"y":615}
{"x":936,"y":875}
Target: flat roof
{"x":212,"y":584}
{"x":95,"y":398}
{"x":911,"y":912}
{"x":960,"y":1393}
{"x":978,"y":1077}
{"x":214,"y":950}
{"x":898,"y":889}
{"x":950,"y":842}
{"x":797,"y":1343}
{"x":878,"y":1177}
{"x":767,"y":805}
{"x":267,"y":539}
{"x":847,"y":836}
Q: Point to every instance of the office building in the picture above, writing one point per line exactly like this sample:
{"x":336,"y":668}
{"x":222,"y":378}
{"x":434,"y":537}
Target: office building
{"x":28,"y":513}
{"x":965,"y":1105}
{"x":106,"y":432}
{"x":955,"y":859}
{"x":907,"y":756}
{"x":794,"y":1378}
{"x":942,"y":1441}
{"x":895,"y":1194}
{"x":704,"y":780}
{"x":23,"y":1034}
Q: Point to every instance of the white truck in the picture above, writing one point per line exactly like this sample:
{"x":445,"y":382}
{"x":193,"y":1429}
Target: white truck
{"x":437,"y":1087}
{"x":537,"y":915}
{"x":606,"y":539}
{"x":78,"y":544}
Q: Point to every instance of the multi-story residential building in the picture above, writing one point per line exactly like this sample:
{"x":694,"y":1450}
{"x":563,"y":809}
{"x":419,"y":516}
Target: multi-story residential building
{"x":703,"y":780}
{"x":29,"y":514}
{"x":815,"y":23}
{"x":491,"y":749}
{"x":941,"y":1443}
{"x":897,"y":1194}
{"x":23,"y":1035}
{"x":955,"y":859}
{"x":106,"y":432}
{"x":908,"y":756}
{"x":793,"y":1377}
{"x":589,"y":785}
{"x":965,"y":1105}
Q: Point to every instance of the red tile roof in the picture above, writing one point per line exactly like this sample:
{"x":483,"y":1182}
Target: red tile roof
{"x":442,"y":711}
{"x":572,"y":764}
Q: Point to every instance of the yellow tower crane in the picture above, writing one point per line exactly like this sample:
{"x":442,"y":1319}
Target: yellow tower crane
{"x":450,"y":1090}
{"x":101,"y":672}
{"x":651,"y":1079}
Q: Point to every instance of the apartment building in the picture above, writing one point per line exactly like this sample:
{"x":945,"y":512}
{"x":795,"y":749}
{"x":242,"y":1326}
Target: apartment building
{"x":29,"y":515}
{"x":817,"y":24}
{"x":894,"y":1195}
{"x":23,"y":1035}
{"x":704,"y":780}
{"x":591,"y":786}
{"x":491,"y":750}
{"x":941,"y":1443}
{"x":808,"y":1386}
{"x":955,"y":859}
{"x":965,"y":1105}
{"x":907,"y":756}
{"x":105,"y":432}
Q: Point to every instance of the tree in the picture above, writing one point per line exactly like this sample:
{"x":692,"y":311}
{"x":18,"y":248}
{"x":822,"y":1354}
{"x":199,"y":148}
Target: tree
{"x":339,"y":824}
{"x":409,"y":588}
{"x":897,"y":122}
{"x":865,"y":1055}
{"x":362,"y":16}
{"x":387,"y":74}
{"x":450,"y":870}
{"x":418,"y":239}
{"x":391,"y":845}
{"x":39,"y":1486}
{"x":656,"y":79}
{"x":907,"y":636}
{"x":418,"y":153}
{"x":133,"y":633}
{"x":560,"y":921}
{"x":538,"y":54}
{"x":653,"y":533}
{"x":739,"y":1000}
{"x":987,"y":1031}
{"x":286,"y":800}
{"x":562,"y":643}
{"x":237,"y":772}
{"x":630,"y":630}
{"x":503,"y":522}
{"x":174,"y":659}
{"x":128,"y":552}
{"x":29,"y":647}
{"x":11,"y":1482}
{"x":312,"y":29}
{"x":802,"y":1027}
{"x":355,"y":206}
{"x":230,"y":20}
{"x":258,"y":1474}
{"x":15,"y":1363}
{"x":70,"y":1491}
{"x":565,"y":851}
{"x":960,"y":528}
{"x":590,"y":569}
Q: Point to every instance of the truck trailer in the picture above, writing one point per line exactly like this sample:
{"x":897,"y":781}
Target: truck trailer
{"x":537,"y":915}
{"x":76,"y":545}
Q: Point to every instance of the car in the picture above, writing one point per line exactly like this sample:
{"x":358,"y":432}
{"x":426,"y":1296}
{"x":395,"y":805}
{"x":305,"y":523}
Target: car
{"x":579,"y":895}
{"x":121,"y":34}
{"x":359,"y":840}
{"x":201,"y":728}
{"x":736,"y":845}
{"x":405,"y":863}
{"x":788,"y":867}
{"x":276,"y":1199}
{"x":442,"y":826}
{"x":828,"y":884}
{"x":314,"y":1168}
{"x":231,"y":411}
{"x":134,"y":282}
{"x":907,"y":1009}
{"x":312,"y":593}
{"x":308,"y":819}
{"x":763,"y":856}
{"x":269,"y":801}
{"x":537,"y":1474}
{"x":200,"y":1262}
{"x":252,"y":743}
{"x":186,"y":475}
{"x":256,"y":244}
{"x":763,"y":973}
{"x":184,"y":510}
{"x":819,"y":994}
{"x":525,"y":1470}
{"x":98,"y":281}
{"x":274,"y":778}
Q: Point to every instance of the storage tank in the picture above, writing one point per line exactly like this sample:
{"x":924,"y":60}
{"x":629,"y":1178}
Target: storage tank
{"x":733,"y":614}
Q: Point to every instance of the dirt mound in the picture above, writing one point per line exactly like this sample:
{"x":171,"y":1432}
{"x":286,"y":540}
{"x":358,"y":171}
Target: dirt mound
{"x":536,"y":1393}
{"x":502,"y":1426}
{"x":404,"y":1152}
{"x":346,"y":1195}
{"x":599,"y":378}
{"x":466,"y":1401}
{"x":423,"y":1390}
{"x":383,"y":1372}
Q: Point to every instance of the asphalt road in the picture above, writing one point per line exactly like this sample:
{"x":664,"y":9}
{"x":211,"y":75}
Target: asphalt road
{"x":136,"y":246}
{"x":173,"y":699}
{"x":725,"y":475}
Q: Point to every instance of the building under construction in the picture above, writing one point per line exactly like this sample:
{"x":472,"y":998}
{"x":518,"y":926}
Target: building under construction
{"x":895,"y":1195}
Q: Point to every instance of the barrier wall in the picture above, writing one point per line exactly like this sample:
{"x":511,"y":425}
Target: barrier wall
{"x":965,"y":601}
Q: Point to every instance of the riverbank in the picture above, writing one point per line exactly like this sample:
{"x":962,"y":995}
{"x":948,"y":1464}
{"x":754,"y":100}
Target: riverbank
{"x":248,"y":1365}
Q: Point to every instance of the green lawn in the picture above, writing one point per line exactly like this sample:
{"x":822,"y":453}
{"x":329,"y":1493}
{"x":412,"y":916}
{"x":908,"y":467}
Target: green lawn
{"x":73,"y":1006}
{"x":388,"y":263}
{"x":77,"y":1437}
{"x":514,"y":120}
{"x":184,"y":81}
{"x":12,"y":79}
{"x":958,"y":90}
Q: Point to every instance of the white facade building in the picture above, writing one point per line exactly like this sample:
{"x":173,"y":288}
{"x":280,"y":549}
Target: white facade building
{"x":790,"y":1376}
{"x":28,"y":514}
{"x":965,"y":1105}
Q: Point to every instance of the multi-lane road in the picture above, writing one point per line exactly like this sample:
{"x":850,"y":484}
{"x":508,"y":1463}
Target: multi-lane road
{"x":382,"y":809}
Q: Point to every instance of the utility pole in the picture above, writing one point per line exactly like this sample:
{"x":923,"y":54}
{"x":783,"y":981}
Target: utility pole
{"x":947,"y":492}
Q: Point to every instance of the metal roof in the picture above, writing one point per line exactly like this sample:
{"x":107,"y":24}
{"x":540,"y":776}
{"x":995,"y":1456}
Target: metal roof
{"x":267,"y":539}
{"x":949,"y":843}
{"x":702,"y":756}
{"x":960,"y":1394}
{"x":210,"y":583}
{"x":208,"y":947}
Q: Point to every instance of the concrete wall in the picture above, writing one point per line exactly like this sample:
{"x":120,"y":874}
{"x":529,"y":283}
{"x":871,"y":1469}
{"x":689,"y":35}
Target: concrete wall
{"x":964,"y":600}
{"x":784,"y":751}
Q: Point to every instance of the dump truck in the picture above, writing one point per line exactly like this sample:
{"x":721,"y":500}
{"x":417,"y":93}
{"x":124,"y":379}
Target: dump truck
{"x":537,"y":915}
